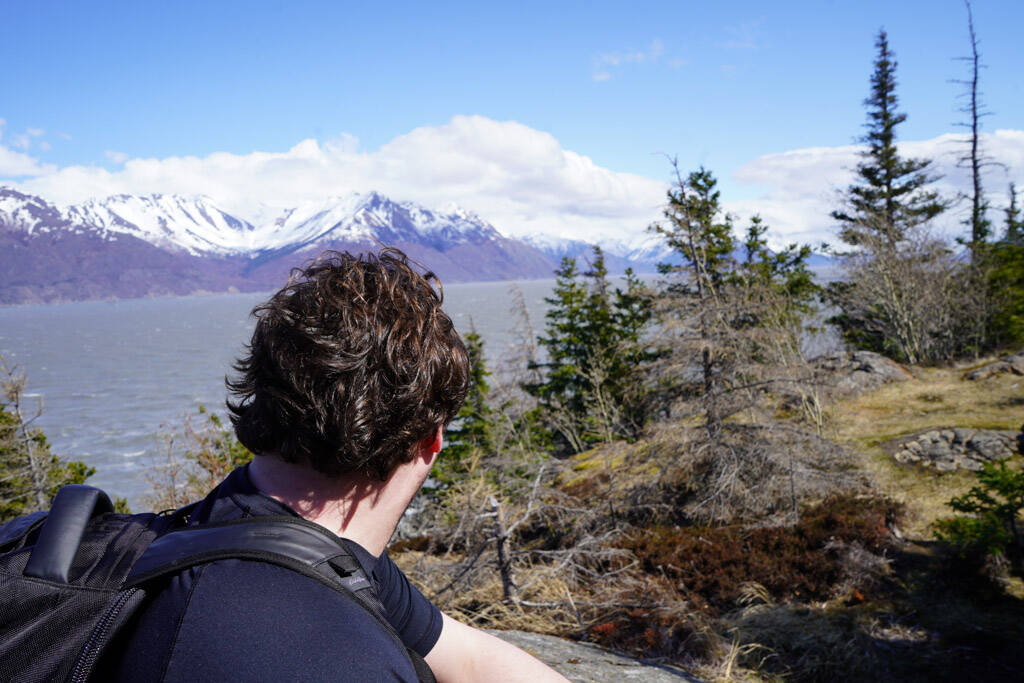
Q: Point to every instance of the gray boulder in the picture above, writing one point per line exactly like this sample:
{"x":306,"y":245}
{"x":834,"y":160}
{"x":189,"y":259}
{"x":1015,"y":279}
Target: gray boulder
{"x":946,"y":450}
{"x":589,"y":663}
{"x":853,"y":373}
{"x":1013,"y":363}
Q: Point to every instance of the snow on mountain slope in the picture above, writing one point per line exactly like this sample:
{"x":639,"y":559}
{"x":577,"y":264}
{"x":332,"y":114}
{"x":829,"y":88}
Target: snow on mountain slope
{"x":371,"y":218}
{"x":643,"y":250}
{"x":27,"y":213}
{"x":197,"y":226}
{"x":193,"y":224}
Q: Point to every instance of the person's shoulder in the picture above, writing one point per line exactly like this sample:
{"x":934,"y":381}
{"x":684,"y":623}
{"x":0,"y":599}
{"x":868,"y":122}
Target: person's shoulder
{"x":246,"y":620}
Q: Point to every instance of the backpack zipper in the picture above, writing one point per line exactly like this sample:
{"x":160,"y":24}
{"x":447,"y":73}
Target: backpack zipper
{"x":97,"y":639}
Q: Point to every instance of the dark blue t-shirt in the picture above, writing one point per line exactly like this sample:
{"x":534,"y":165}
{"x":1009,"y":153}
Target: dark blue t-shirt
{"x":243,"y":620}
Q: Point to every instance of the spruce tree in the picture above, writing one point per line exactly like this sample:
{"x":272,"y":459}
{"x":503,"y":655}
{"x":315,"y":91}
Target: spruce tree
{"x":784,"y":271}
{"x":891,"y":195}
{"x":565,"y":341}
{"x":1014,"y":224}
{"x":591,"y":388}
{"x":471,"y":434}
{"x":1006,"y":277}
{"x":700,"y":233}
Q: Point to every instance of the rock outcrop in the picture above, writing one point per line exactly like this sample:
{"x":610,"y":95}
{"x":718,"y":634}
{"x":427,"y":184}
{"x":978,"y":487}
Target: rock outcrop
{"x":588,"y":663}
{"x":1013,"y":363}
{"x":955,"y":448}
{"x":850,"y":374}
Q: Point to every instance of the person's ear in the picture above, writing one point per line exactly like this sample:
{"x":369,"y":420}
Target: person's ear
{"x":433,"y":444}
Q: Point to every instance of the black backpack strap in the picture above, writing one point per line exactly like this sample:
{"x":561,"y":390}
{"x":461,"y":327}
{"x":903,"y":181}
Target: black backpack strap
{"x":18,"y":528}
{"x":62,"y":531}
{"x":287,"y":542}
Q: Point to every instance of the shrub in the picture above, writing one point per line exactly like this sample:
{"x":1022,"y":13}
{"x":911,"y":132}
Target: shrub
{"x":993,"y":506}
{"x":30,"y":474}
{"x":194,"y":459}
{"x":710,"y":566}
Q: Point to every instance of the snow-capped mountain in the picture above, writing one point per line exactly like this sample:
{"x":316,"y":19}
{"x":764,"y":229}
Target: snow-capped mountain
{"x":643,"y":254}
{"x":371,"y":218}
{"x":27,"y":213}
{"x":127,"y":246}
{"x":193,"y":224}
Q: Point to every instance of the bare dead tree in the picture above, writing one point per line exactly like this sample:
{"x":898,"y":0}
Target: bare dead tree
{"x":911,"y":296}
{"x":974,"y":158}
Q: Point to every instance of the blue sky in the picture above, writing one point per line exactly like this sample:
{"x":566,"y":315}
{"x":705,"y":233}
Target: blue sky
{"x":87,"y":87}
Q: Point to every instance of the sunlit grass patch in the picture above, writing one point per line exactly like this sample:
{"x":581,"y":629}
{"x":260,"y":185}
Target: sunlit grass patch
{"x":934,"y":398}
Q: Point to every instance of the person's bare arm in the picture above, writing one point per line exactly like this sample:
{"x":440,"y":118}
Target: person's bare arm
{"x":463,"y":653}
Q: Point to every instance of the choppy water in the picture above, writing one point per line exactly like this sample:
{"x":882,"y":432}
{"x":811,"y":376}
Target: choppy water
{"x":112,"y":374}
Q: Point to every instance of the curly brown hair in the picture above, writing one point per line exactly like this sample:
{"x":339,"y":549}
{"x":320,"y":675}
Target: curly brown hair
{"x":351,"y":364}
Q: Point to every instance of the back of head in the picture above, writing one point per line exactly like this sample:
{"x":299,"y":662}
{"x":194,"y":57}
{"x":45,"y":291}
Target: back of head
{"x":351,"y":364}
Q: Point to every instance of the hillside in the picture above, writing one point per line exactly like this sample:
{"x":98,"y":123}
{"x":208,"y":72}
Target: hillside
{"x":858,"y":588}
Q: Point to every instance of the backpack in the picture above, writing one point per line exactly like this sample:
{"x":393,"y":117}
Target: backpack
{"x":72,"y":578}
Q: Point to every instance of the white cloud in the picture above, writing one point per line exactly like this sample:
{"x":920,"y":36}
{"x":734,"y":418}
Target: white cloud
{"x":742,"y":36}
{"x":519,"y":178}
{"x":802,"y":186}
{"x":116,"y":157}
{"x":15,"y":164}
{"x":23,"y":141}
{"x":18,"y":164}
{"x":604,"y":64}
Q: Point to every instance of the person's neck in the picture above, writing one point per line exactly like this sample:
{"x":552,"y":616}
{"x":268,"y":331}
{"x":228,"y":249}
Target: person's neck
{"x":354,"y":506}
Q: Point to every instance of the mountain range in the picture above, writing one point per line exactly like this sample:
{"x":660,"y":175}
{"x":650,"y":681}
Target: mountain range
{"x":133,"y":246}
{"x":128,"y":246}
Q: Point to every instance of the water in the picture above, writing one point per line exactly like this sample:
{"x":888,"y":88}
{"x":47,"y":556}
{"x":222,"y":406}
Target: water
{"x":113,"y":374}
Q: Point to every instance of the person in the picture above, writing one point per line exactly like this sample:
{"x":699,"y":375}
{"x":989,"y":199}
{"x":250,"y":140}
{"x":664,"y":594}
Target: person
{"x":343,"y":394}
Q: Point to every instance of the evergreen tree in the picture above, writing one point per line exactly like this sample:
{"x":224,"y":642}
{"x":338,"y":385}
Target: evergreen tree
{"x":783,"y":272}
{"x":728,"y":318}
{"x":1005,"y":259}
{"x":891,"y":194}
{"x":471,"y":433}
{"x":1014,"y":224}
{"x":700,"y":233}
{"x":590,"y":388}
{"x":992,"y":509}
{"x":561,"y":389}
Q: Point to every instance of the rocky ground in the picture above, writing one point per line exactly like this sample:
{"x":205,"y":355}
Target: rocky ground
{"x":586,"y":663}
{"x":1012,"y":363}
{"x":955,"y":448}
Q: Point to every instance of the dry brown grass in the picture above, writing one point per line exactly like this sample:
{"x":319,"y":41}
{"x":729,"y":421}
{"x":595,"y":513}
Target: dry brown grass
{"x":935,"y":397}
{"x":479,"y":601}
